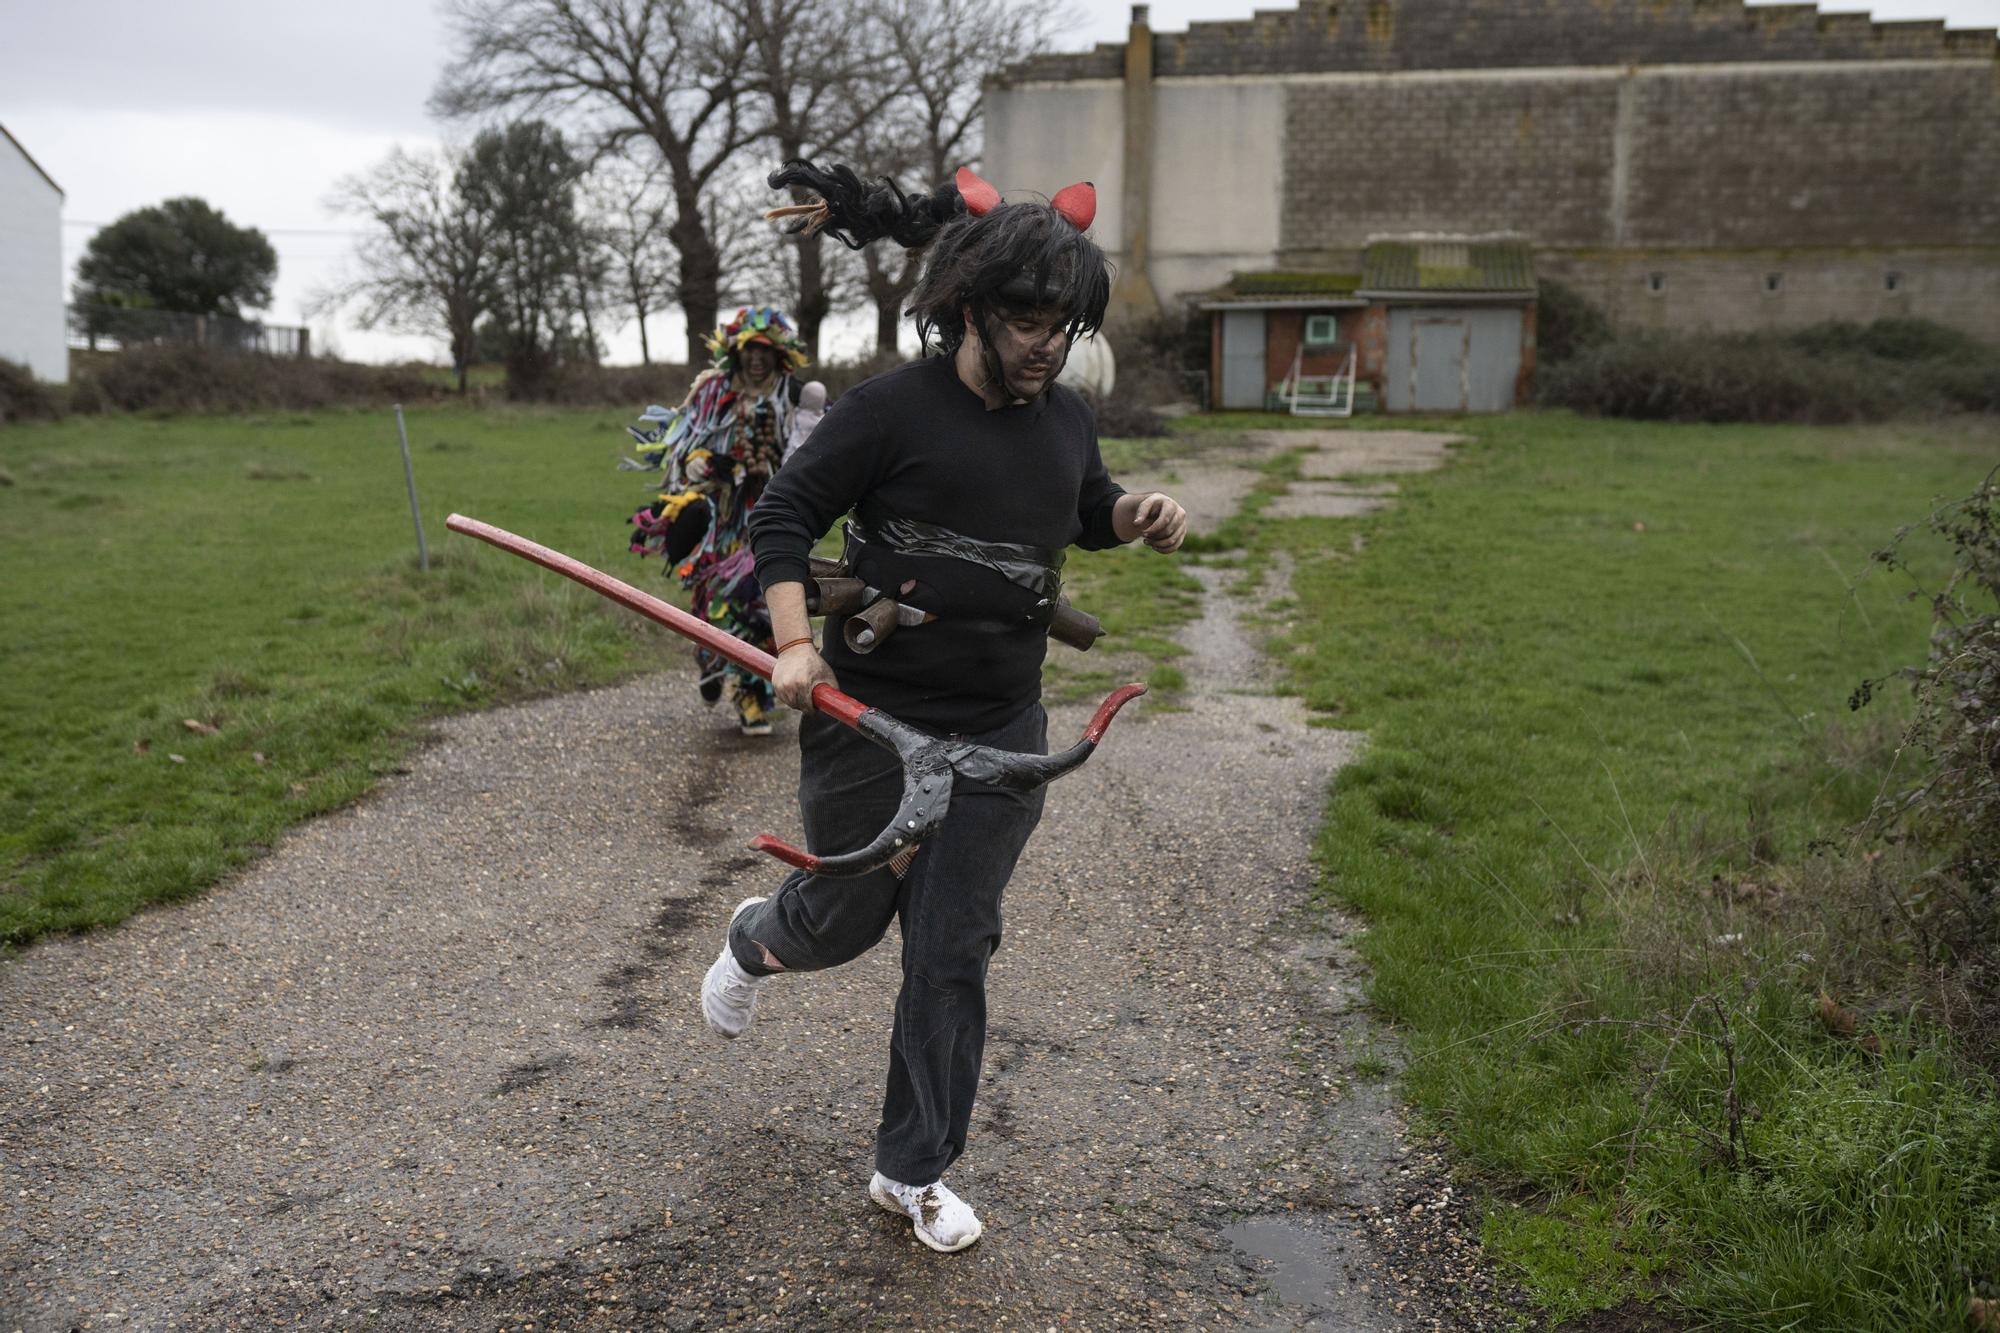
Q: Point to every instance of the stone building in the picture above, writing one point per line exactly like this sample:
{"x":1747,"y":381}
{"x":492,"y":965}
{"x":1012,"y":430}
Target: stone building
{"x":1684,"y":163}
{"x":31,"y":269}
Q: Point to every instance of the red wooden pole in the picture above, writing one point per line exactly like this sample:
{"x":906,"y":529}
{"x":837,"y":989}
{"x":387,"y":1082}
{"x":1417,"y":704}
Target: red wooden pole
{"x":826,"y":699}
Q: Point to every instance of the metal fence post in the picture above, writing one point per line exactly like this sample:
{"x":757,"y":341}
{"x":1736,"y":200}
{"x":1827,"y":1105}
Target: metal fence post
{"x":410,"y":483}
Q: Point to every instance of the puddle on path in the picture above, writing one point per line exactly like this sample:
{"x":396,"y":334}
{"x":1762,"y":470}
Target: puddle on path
{"x":1296,"y":1261}
{"x":1307,"y":1289}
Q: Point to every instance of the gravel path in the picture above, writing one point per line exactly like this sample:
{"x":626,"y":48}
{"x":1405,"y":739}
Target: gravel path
{"x":436,"y":1062}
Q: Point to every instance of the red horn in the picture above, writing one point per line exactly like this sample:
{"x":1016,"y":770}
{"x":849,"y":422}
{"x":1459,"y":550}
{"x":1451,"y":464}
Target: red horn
{"x":978,"y":195}
{"x":1078,"y":203}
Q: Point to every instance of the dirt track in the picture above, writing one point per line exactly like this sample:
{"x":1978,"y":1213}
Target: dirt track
{"x":437,"y":1062}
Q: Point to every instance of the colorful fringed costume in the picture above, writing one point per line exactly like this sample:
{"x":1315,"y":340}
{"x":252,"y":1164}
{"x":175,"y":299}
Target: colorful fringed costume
{"x":718,"y":449}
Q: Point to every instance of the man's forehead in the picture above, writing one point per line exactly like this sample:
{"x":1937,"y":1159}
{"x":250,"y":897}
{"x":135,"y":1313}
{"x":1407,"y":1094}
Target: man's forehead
{"x":1045,"y":315}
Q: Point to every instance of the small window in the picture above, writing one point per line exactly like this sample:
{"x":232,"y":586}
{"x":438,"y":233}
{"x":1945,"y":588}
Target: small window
{"x":1322,"y":330}
{"x":1773,"y":283}
{"x":1892,"y":281}
{"x":1656,"y":283}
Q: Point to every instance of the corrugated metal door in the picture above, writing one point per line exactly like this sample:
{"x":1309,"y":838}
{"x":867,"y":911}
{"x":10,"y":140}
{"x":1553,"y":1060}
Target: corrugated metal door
{"x":1396,"y":386}
{"x":1440,"y":353}
{"x":1495,"y":367}
{"x":1452,"y":358}
{"x":1243,"y":380}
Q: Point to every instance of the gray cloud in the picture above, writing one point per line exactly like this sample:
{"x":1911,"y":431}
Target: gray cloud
{"x":360,"y":64}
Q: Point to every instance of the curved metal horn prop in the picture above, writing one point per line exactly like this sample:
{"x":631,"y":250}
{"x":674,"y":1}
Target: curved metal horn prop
{"x":980,"y":198}
{"x":1077,"y":203}
{"x":929,"y":765}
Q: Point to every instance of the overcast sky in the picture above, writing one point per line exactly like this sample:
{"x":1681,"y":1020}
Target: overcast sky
{"x":259,"y":106}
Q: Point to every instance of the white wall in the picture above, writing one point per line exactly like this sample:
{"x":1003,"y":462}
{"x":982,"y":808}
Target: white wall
{"x":1218,"y":173}
{"x":1218,"y":167}
{"x":31,"y":268}
{"x":1043,"y":137}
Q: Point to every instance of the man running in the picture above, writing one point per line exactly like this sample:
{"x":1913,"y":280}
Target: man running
{"x":966,"y":475}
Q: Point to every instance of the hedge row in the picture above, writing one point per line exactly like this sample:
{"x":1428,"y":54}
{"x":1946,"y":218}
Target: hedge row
{"x":183,"y":378}
{"x":1826,"y":373}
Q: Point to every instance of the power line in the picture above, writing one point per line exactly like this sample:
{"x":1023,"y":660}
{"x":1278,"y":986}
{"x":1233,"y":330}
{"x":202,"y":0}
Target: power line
{"x":268,"y":231}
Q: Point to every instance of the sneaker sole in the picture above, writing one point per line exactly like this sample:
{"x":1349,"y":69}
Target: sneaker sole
{"x":889,"y":1202}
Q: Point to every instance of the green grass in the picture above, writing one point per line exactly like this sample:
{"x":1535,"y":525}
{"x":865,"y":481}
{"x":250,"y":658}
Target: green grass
{"x":484,"y":375}
{"x":257,"y":576}
{"x":1598,"y":662}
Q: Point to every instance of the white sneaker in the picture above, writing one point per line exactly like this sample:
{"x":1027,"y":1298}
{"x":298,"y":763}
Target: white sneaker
{"x":728,"y":993}
{"x":944,"y":1221}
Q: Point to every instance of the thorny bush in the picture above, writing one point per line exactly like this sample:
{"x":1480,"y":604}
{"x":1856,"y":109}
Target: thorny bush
{"x":1947,"y":820}
{"x":1956,"y":803}
{"x":25,"y":398}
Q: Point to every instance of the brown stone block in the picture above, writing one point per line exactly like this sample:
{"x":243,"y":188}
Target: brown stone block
{"x":1909,"y":37}
{"x":1777,"y":18}
{"x":1983,"y":42}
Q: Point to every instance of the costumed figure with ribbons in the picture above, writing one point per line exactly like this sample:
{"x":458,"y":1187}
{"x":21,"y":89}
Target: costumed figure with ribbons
{"x":719,"y":449}
{"x":963,"y":477}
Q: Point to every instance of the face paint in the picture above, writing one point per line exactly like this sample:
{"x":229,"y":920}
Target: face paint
{"x":759,"y":361}
{"x":1022,"y":351}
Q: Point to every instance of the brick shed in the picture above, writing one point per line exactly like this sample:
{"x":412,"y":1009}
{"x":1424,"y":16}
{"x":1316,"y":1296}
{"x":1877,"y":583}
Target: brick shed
{"x":1434,"y":324}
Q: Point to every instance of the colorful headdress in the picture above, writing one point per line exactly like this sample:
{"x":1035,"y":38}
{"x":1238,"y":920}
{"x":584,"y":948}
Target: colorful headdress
{"x":761,"y":324}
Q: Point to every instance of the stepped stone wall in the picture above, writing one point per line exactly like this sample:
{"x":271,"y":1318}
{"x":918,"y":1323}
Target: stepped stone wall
{"x":1651,"y":149}
{"x":1382,"y":36}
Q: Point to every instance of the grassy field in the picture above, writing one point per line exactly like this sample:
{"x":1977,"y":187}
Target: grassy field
{"x":257,"y":578}
{"x":1603,"y":669}
{"x":215,"y":626}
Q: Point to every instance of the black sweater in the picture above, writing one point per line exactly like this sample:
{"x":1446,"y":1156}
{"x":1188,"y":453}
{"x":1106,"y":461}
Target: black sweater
{"x":917,"y":444}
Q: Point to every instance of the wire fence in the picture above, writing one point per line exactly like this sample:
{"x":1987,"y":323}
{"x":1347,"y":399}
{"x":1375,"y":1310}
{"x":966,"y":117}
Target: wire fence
{"x":101,"y":328}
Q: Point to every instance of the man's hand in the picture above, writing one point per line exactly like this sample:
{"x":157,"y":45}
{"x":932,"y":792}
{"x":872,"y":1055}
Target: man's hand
{"x":798,"y":670}
{"x":1153,"y":518}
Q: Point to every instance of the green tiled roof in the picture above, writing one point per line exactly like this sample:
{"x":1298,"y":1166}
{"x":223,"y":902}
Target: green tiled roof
{"x":1294,"y":286}
{"x":1448,"y":266}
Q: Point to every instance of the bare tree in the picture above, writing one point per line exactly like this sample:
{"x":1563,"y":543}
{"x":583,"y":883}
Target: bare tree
{"x":631,"y":213}
{"x":771,"y":269}
{"x":667,"y":71}
{"x":592,"y":281}
{"x":821,"y":70}
{"x":428,"y":266}
{"x":938,"y":55}
{"x":524,"y":179}
{"x":891,"y":146}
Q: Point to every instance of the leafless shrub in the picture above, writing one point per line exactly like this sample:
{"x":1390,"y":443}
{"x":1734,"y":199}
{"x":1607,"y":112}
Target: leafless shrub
{"x":180,"y":377}
{"x":25,"y":398}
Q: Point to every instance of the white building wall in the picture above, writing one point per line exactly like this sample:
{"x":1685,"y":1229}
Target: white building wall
{"x":1218,"y":173}
{"x":31,"y":268}
{"x":1217,"y":167}
{"x":1042,"y":138}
